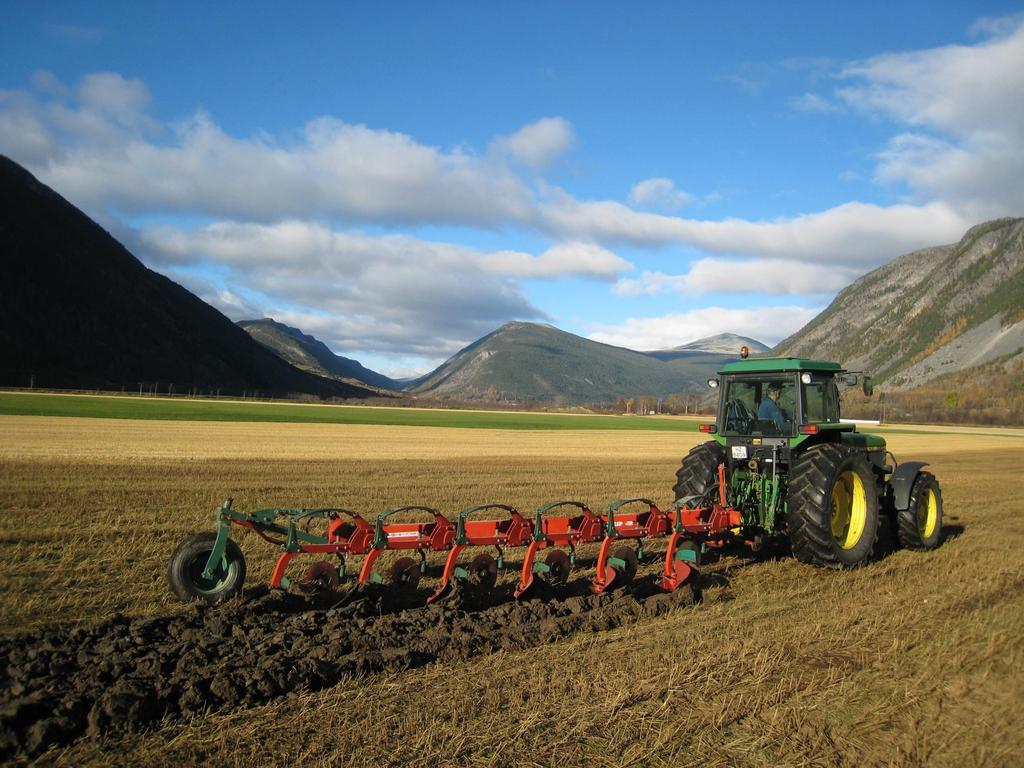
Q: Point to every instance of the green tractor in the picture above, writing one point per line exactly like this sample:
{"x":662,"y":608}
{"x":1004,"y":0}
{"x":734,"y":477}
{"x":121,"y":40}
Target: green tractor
{"x":791,"y":467}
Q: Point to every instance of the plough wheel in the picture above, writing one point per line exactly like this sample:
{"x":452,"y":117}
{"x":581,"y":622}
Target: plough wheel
{"x":483,"y":572}
{"x":185,"y":571}
{"x":558,"y":567}
{"x":405,"y":574}
{"x":320,"y":576}
{"x":625,"y":574}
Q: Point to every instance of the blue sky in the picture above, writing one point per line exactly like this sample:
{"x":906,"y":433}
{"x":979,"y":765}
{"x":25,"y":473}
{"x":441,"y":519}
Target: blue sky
{"x":401,"y":178}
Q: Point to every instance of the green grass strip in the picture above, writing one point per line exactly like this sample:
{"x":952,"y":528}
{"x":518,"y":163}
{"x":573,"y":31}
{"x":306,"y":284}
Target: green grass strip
{"x":101,"y":407}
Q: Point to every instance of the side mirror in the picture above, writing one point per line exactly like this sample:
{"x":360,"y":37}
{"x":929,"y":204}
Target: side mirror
{"x":713,"y":382}
{"x":867,"y":387}
{"x":850,"y":379}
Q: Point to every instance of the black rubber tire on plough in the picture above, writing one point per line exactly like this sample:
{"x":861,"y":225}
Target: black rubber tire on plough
{"x":186,"y":568}
{"x":920,"y":525}
{"x":483,"y":572}
{"x":405,"y":574}
{"x":321,"y":576}
{"x":698,"y":474}
{"x":559,"y":568}
{"x":822,"y":479}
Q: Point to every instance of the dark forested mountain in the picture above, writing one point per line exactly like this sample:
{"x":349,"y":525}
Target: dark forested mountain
{"x":310,"y":354}
{"x":79,"y":310}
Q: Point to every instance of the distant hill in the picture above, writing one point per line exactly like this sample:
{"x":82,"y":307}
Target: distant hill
{"x":530,"y":362}
{"x":719,"y":344}
{"x":930,"y":313}
{"x":310,"y":354}
{"x":80,"y":311}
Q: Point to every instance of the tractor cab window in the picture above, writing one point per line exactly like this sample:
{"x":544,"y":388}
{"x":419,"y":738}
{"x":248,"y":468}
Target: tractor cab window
{"x":761,"y":407}
{"x":821,"y":401}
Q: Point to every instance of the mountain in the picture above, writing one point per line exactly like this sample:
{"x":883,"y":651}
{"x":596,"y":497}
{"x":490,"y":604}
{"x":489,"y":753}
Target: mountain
{"x":80,"y":311}
{"x":930,"y":313}
{"x":535,"y":362}
{"x":719,"y":344}
{"x":310,"y":354}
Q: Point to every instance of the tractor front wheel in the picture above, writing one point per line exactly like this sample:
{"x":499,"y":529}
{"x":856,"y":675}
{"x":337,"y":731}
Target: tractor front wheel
{"x":185,"y":571}
{"x":832,"y":507}
{"x":920,"y":524}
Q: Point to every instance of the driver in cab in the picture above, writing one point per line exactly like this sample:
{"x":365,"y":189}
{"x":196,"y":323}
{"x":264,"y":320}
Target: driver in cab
{"x":770,"y":410}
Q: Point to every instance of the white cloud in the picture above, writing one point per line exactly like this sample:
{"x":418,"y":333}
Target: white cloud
{"x":659,"y":193}
{"x":775,"y":276}
{"x":767,"y":324}
{"x":964,"y":106}
{"x":310,"y":245}
{"x":537,"y":144}
{"x":110,"y":92}
{"x":856,"y":234}
{"x":576,"y":259}
{"x":101,"y":150}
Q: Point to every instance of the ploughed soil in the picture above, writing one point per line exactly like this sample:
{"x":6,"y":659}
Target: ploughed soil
{"x":125,"y":675}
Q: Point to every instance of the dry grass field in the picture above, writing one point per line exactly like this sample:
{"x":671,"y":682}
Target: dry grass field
{"x":917,"y":659}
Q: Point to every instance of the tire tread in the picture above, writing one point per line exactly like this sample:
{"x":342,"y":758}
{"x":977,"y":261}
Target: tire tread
{"x":808,"y":522}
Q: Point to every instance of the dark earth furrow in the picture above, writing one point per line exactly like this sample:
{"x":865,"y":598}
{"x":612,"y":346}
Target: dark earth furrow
{"x":129,"y":674}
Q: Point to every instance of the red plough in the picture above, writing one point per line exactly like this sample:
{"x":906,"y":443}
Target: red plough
{"x":210,"y":566}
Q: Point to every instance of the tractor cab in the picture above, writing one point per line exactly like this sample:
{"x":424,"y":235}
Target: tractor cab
{"x":770,"y":406}
{"x":761,"y":399}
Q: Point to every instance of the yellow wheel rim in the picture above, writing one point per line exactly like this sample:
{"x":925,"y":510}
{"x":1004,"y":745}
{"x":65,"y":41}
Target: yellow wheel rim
{"x":849,"y":509}
{"x":927,"y":513}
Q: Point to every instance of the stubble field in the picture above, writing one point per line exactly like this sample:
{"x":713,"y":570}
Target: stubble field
{"x":917,"y":659}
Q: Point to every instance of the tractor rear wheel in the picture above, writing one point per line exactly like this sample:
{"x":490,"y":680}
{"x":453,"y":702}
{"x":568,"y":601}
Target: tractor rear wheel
{"x":920,"y":525}
{"x":698,"y":473}
{"x":832,"y":507}
{"x":185,"y":571}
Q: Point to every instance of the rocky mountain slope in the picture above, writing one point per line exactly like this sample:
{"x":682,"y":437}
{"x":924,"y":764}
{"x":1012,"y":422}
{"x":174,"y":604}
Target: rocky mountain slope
{"x":929,"y":313}
{"x":80,"y":311}
{"x":536,"y":362}
{"x":310,"y":354}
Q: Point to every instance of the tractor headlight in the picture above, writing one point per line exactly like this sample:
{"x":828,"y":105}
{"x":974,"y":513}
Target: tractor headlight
{"x":805,"y":378}
{"x":713,"y":383}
